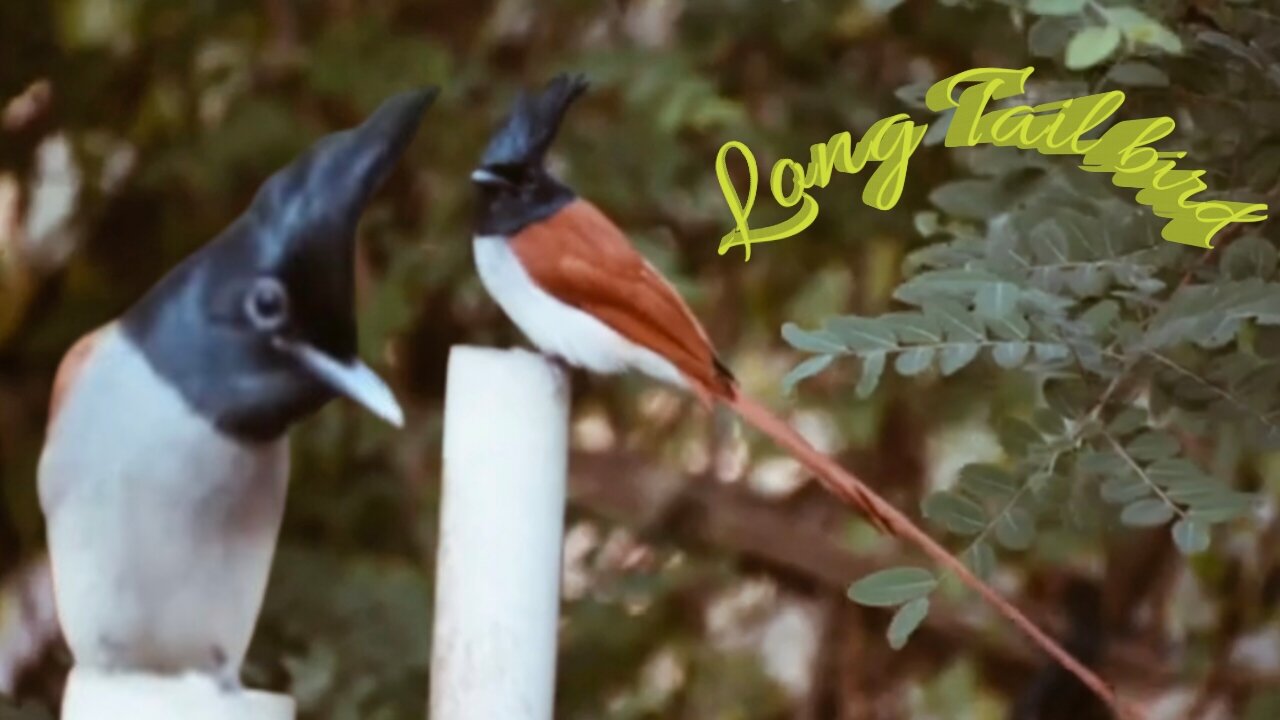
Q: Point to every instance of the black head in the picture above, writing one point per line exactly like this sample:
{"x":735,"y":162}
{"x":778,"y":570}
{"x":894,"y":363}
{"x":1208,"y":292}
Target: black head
{"x":257,"y":329}
{"x":515,"y":189}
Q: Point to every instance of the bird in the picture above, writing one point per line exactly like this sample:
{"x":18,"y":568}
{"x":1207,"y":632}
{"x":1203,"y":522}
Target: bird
{"x":571,"y":281}
{"x":577,"y":288}
{"x":165,"y":467}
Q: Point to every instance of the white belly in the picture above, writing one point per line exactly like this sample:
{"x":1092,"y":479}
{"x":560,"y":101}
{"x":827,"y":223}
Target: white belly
{"x":559,"y":329}
{"x":161,"y":530}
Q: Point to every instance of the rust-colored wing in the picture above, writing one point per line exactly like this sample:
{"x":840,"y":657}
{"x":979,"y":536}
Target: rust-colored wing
{"x":582,"y":259}
{"x":69,"y":369}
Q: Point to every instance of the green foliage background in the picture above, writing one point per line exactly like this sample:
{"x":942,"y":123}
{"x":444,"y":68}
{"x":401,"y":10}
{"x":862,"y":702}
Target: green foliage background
{"x":1131,"y":383}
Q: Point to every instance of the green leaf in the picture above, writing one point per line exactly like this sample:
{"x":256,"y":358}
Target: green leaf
{"x":1222,"y":506}
{"x":882,"y":6}
{"x":996,"y":300}
{"x":955,"y":512}
{"x":1010,"y":355}
{"x":810,"y":341}
{"x":913,"y":327}
{"x":926,"y":221}
{"x":893,"y":586}
{"x":1177,"y":472}
{"x":1092,"y":45}
{"x":948,"y":285}
{"x":1124,"y":489}
{"x":806,"y":369}
{"x":1097,"y":462}
{"x":1191,"y":536}
{"x":1249,"y":256}
{"x":1136,"y":73}
{"x":1088,"y":280}
{"x":872,"y":369}
{"x":913,"y":361}
{"x":1147,"y":513}
{"x":1210,"y":315}
{"x":1056,"y":7}
{"x":1015,"y":528}
{"x":985,"y":481}
{"x":1127,"y":421}
{"x":969,"y":199}
{"x":1047,"y":422}
{"x":1018,"y":436}
{"x":1010,"y":327}
{"x":1069,"y":397}
{"x":1049,"y":35}
{"x":955,"y":357}
{"x":1101,"y":316}
{"x":906,"y":620}
{"x":1195,"y":493}
{"x":1141,"y":28}
{"x":958,"y":324}
{"x":981,"y":559}
{"x":1152,"y":445}
{"x":862,"y":334}
{"x":937,"y":131}
{"x":1047,"y":352}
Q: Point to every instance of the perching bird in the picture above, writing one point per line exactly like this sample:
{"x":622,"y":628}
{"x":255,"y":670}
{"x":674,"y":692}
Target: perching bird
{"x":166,"y":463}
{"x":573,"y":283}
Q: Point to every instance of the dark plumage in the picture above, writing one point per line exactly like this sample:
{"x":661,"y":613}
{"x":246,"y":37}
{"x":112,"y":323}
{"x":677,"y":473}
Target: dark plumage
{"x":301,"y":230}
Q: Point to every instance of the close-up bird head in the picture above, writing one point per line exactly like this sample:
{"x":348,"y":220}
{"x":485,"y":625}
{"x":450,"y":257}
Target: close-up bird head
{"x":257,"y":329}
{"x":515,"y":187}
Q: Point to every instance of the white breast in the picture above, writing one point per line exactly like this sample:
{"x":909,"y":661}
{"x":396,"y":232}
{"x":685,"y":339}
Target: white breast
{"x":557,"y":328}
{"x":161,"y":529}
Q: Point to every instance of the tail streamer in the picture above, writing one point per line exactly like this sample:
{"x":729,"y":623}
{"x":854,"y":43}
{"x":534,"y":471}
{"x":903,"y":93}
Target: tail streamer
{"x":889,"y":520}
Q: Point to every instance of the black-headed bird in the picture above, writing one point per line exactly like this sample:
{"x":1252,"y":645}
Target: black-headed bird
{"x":166,"y":463}
{"x":575,"y":286}
{"x":572,"y":282}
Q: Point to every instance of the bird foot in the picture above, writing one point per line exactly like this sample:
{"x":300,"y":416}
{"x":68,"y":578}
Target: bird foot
{"x":226,"y":673}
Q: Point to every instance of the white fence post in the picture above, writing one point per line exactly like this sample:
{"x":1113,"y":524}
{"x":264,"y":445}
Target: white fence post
{"x":501,"y":530}
{"x":115,"y":696}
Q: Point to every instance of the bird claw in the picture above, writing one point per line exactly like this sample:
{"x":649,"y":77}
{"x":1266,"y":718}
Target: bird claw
{"x":225,"y":673}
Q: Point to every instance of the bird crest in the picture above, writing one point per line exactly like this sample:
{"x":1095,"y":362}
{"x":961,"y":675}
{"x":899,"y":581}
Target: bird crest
{"x":531,"y":127}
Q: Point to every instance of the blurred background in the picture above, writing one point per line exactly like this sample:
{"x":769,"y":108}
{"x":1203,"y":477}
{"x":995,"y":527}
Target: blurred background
{"x":705,"y":577}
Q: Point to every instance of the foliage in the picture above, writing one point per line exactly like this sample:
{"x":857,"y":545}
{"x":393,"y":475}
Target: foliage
{"x":1140,"y":350}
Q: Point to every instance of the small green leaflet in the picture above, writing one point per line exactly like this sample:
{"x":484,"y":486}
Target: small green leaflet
{"x":1191,"y":536}
{"x":1147,"y":513}
{"x":806,"y":369}
{"x":905,"y":622}
{"x":955,"y":512}
{"x":892,"y":586}
{"x":1092,"y":45}
{"x":1015,"y":528}
{"x":1056,"y":7}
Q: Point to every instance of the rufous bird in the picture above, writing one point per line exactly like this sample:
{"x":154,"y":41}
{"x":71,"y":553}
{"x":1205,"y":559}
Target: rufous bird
{"x":576,"y":287}
{"x":166,"y":463}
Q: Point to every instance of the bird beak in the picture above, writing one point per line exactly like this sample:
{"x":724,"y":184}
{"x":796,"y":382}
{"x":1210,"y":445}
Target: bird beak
{"x":354,"y":380}
{"x":484,"y":177}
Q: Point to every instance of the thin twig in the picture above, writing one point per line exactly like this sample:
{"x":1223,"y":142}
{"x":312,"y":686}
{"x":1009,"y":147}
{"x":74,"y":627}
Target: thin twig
{"x":1133,"y":465}
{"x":1224,"y":394}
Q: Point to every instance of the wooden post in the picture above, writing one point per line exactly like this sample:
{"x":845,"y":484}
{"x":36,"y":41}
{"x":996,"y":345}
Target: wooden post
{"x":94,"y":695}
{"x":501,"y":532}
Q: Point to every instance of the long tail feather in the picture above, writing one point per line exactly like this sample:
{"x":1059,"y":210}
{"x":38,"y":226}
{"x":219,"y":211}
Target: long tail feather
{"x":888,"y":519}
{"x":835,"y":479}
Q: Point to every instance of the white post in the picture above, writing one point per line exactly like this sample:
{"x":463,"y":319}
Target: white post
{"x":101,"y":696}
{"x":501,"y":531}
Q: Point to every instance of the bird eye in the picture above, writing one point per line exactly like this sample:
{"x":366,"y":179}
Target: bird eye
{"x":267,"y":304}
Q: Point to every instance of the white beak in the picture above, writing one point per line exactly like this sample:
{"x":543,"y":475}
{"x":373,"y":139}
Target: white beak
{"x":484,"y":177}
{"x":356,"y":381}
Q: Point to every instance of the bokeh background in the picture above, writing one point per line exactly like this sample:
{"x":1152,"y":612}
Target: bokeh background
{"x":705,"y":578}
